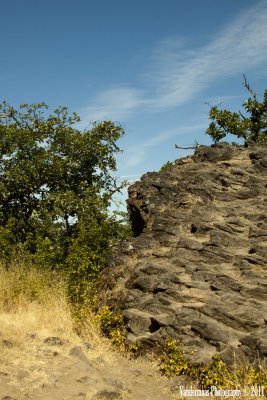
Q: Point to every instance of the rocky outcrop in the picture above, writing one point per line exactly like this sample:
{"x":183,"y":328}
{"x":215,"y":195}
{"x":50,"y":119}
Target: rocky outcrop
{"x":196,"y":269}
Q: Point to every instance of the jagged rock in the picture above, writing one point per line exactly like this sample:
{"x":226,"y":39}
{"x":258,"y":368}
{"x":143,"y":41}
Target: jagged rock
{"x":196,"y":268}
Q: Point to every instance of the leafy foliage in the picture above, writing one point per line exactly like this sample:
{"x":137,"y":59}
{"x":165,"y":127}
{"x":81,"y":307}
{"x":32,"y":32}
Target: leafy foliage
{"x":174,"y":362}
{"x":166,"y":166}
{"x":252,"y":127}
{"x":88,"y":250}
{"x":112,"y":325}
{"x":56,"y":184}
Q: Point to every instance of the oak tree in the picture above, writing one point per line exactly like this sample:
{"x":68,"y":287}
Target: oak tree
{"x":56,"y":183}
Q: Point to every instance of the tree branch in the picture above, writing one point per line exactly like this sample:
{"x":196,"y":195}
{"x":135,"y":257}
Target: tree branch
{"x":196,"y":146}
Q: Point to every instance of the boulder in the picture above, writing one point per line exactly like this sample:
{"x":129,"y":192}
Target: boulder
{"x":196,"y":267}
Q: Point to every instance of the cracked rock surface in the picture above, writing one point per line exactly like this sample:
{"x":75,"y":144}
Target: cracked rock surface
{"x":196,"y":269}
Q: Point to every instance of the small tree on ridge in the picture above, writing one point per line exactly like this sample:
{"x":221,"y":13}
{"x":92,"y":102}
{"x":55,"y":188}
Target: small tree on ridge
{"x":250,"y":128}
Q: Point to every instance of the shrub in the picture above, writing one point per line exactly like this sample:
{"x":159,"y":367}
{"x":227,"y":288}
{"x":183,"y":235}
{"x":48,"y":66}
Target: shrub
{"x":174,"y":362}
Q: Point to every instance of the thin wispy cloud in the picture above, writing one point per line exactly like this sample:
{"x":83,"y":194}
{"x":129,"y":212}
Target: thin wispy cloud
{"x":241,"y":46}
{"x":138,"y":153}
{"x":116,"y":103}
{"x":179,"y":74}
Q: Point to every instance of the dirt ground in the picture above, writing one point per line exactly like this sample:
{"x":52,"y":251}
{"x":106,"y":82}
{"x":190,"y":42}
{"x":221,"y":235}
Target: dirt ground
{"x":44,"y":366}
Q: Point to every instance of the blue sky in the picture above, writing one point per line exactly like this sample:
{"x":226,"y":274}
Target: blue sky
{"x":150,"y":65}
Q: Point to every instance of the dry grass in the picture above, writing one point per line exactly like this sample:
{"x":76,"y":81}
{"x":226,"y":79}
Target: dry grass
{"x":33,"y":302}
{"x":35,"y":298}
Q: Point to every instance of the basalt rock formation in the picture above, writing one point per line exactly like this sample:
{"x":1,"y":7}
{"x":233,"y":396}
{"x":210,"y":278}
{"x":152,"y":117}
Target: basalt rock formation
{"x":196,"y":269}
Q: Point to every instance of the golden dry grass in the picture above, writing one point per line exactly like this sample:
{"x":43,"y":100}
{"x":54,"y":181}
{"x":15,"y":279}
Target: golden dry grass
{"x":34,"y":301}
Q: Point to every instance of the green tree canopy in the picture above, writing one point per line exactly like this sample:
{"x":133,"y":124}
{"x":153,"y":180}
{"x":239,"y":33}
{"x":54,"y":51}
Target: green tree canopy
{"x":250,"y":127}
{"x":55,"y":180}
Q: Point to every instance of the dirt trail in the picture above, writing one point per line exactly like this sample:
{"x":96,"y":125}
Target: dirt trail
{"x":54,"y":368}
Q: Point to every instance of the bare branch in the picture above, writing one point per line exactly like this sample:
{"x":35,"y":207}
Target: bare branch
{"x":196,"y":146}
{"x":246,"y":84}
